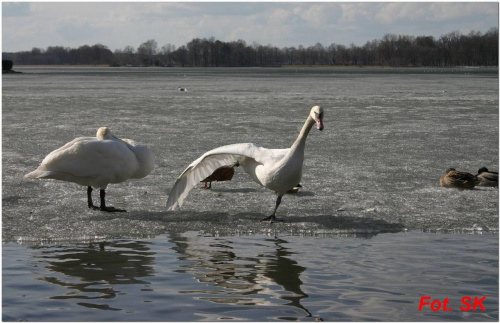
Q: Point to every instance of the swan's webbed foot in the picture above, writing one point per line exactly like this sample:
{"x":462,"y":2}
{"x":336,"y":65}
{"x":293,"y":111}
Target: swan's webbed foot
{"x":105,"y":209}
{"x":103,"y":206}
{"x":272,"y":218}
{"x":110,"y":209}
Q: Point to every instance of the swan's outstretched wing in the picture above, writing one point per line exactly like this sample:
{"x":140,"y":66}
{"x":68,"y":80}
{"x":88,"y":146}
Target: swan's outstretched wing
{"x":209,"y":162}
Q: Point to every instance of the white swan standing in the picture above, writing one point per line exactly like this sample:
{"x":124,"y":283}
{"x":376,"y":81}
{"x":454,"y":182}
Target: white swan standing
{"x":276,"y":169}
{"x":97,"y":162}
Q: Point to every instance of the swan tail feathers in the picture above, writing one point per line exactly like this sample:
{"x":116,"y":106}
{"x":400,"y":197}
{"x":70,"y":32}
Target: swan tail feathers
{"x":65,"y":176}
{"x":38,"y":174}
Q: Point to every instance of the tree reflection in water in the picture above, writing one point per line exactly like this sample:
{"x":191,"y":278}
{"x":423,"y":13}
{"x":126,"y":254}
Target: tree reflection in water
{"x":267,"y":274}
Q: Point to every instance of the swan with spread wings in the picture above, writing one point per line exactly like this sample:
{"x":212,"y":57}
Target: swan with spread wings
{"x":276,"y":169}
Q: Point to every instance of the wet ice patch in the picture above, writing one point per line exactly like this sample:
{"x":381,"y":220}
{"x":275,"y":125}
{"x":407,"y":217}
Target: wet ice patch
{"x":378,"y":160}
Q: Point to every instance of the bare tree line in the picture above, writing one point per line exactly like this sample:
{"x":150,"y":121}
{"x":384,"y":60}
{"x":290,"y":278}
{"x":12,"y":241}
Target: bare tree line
{"x":451,"y":49}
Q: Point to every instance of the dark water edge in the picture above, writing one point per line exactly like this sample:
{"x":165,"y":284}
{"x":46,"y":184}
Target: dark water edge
{"x":262,"y":71}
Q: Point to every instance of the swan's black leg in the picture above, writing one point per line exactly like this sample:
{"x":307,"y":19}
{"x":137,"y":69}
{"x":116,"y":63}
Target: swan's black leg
{"x":89,"y":199}
{"x":272,"y":218}
{"x":109,"y":208}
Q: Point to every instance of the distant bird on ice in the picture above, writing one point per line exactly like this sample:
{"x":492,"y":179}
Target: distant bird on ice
{"x":456,"y":179}
{"x":96,"y":162}
{"x":183,"y":89}
{"x":487,"y":178}
{"x":276,"y":169}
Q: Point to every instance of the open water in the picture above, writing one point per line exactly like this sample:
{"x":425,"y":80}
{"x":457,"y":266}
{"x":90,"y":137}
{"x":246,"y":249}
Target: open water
{"x":368,"y":235}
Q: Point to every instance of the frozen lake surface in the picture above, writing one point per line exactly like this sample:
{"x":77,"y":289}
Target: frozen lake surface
{"x":368,"y":235}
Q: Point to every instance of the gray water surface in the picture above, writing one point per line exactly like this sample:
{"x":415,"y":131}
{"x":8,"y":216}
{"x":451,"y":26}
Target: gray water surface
{"x":191,"y":276}
{"x":369,"y":233}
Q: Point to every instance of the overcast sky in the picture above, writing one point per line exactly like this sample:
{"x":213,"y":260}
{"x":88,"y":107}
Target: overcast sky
{"x":118,"y":24}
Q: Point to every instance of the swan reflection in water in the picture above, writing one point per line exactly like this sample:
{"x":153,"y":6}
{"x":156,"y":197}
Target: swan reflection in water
{"x":97,"y":269}
{"x":228,"y":271}
{"x":257,"y":276}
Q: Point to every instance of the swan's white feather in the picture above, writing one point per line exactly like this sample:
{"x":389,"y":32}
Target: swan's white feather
{"x":90,"y":161}
{"x":213,"y":159}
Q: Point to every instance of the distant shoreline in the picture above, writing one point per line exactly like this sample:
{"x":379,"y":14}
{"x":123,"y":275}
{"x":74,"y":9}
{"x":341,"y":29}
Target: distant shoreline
{"x":276,"y":66}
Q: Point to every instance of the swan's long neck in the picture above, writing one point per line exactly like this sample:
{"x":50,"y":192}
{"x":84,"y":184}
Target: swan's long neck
{"x":300,"y":142}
